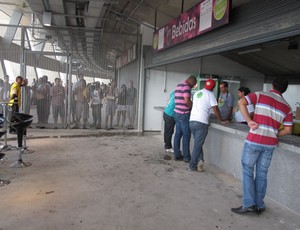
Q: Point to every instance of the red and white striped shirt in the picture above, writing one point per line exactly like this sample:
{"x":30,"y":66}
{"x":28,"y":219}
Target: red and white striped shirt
{"x":271,"y":110}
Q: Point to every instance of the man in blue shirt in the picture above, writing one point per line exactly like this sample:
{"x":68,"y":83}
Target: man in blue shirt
{"x":225,"y":101}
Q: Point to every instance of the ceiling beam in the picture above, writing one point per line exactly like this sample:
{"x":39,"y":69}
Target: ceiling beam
{"x":78,"y":16}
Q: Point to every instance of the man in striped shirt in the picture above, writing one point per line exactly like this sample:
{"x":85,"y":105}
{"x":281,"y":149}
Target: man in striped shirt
{"x":183,"y":106}
{"x":271,"y":110}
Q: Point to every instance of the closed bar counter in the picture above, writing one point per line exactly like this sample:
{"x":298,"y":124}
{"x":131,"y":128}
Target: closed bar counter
{"x":223,"y":148}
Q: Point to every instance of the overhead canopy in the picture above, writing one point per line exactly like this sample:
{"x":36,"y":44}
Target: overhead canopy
{"x":262,"y":35}
{"x":97,"y":31}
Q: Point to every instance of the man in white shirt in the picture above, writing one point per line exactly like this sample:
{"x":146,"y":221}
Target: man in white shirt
{"x":203,"y":101}
{"x":96,"y":97}
{"x":82,"y":107}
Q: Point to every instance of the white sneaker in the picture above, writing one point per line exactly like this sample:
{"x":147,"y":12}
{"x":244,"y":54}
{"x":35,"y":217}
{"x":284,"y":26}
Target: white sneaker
{"x":170,"y":150}
{"x":200,"y":166}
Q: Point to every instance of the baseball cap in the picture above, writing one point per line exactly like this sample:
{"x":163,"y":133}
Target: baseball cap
{"x":210,"y":84}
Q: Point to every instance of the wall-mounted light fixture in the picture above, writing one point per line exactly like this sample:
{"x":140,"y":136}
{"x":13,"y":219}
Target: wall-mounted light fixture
{"x":47,"y":17}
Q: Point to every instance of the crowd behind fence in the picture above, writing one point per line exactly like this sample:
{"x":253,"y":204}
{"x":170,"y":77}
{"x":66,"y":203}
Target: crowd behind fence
{"x":92,"y":105}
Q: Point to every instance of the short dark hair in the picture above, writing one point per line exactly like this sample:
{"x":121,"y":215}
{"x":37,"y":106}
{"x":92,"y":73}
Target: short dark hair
{"x":280,"y":84}
{"x":244,"y":90}
{"x":192,"y":81}
{"x":19,"y":78}
{"x":224,"y":83}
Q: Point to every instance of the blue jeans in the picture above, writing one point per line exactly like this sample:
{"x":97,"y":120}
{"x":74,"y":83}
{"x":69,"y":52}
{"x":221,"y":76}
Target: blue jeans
{"x":199,"y":131}
{"x":182,"y":130}
{"x":254,"y":189}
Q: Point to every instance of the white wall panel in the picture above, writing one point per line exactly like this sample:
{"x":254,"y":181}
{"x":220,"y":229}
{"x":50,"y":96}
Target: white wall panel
{"x":161,"y":81}
{"x":216,"y":64}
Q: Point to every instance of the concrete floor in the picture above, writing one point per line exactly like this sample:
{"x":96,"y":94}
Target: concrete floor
{"x":121,"y":182}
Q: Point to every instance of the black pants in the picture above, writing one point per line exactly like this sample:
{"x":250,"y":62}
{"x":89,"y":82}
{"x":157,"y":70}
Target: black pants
{"x":14,"y":109}
{"x":168,"y":130}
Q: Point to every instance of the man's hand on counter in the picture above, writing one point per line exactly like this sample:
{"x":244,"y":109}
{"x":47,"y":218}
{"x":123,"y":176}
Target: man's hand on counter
{"x":225,"y":122}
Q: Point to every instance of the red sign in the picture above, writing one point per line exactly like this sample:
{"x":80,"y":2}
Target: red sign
{"x":203,"y":17}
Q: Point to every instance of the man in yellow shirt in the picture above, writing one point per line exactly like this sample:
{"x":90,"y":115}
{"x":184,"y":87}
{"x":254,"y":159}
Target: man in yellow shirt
{"x":15,"y":95}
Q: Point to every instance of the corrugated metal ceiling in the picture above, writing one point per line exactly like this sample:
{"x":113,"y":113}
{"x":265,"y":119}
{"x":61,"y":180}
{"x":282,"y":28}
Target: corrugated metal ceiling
{"x":96,"y":31}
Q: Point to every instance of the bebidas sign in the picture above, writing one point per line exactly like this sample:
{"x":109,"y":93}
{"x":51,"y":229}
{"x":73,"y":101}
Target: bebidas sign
{"x":203,"y":17}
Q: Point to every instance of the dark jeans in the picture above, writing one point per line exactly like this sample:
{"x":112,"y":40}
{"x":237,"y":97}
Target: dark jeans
{"x":14,"y":108}
{"x":182,"y":130}
{"x":41,"y":110}
{"x":168,"y":130}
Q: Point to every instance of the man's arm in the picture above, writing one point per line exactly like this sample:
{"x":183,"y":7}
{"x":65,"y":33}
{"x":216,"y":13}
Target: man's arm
{"x":13,"y":95}
{"x":217,"y":113}
{"x":243,"y":107}
{"x":188,"y":102}
{"x":51,"y":91}
{"x":229,"y":115}
{"x":229,"y":102}
{"x":285,"y":131}
{"x":135,"y":96}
